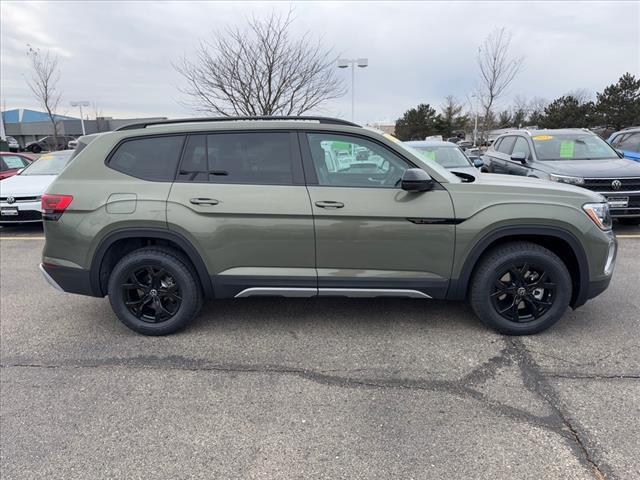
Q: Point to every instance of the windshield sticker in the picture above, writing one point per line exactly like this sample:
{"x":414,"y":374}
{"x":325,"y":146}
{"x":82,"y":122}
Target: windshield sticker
{"x":542,"y":138}
{"x":566,"y":149}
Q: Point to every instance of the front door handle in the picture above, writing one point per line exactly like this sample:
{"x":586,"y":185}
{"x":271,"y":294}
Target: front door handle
{"x":329,"y":204}
{"x":204,"y":201}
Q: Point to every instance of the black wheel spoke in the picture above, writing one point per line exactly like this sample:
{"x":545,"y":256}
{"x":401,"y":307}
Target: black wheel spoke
{"x":155,"y":298}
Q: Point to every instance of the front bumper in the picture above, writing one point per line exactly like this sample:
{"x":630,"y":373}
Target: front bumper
{"x":28,"y":212}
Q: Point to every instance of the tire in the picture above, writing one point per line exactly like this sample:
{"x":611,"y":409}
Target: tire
{"x":154,"y":291}
{"x":528,"y":280}
{"x":629,"y":221}
{"x":36,"y":149}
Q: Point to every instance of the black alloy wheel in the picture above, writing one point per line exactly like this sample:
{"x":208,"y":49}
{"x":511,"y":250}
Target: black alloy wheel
{"x":151,"y":294}
{"x":523,"y":293}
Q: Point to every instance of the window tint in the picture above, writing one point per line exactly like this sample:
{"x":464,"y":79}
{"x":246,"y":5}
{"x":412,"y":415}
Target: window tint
{"x":506,"y":145}
{"x":521,"y":146}
{"x":151,"y":158}
{"x":631,"y":142}
{"x":345,"y":161}
{"x":13,"y":161}
{"x":248,"y":157}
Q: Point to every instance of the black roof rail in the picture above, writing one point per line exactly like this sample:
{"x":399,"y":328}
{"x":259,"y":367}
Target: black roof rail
{"x":325,"y":120}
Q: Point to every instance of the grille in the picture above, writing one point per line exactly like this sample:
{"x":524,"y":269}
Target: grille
{"x":23,"y":216}
{"x":604,"y":184}
{"x":21,"y":199}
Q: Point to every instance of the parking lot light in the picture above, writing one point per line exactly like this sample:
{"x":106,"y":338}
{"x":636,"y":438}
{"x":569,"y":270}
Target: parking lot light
{"x":345,"y":63}
{"x":80,"y":103}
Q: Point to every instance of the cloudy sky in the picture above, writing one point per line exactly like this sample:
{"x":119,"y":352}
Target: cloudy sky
{"x":118,"y":54}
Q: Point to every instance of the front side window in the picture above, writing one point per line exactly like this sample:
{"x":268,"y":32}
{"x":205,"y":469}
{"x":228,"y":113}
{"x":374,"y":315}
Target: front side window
{"x":631,"y":143}
{"x":572,"y":146}
{"x":149,"y":158}
{"x":254,"y":158}
{"x":506,"y":145}
{"x":521,"y":147}
{"x":345,"y":161}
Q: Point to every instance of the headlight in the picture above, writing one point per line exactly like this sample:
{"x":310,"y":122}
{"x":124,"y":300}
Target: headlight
{"x":599,"y":213}
{"x":566,"y":179}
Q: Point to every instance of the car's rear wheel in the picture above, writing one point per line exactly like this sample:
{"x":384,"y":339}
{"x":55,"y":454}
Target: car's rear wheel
{"x":36,"y":149}
{"x":629,"y":221}
{"x":154,"y":292}
{"x":520,"y":288}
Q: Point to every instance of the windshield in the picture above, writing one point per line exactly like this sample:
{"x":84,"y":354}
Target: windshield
{"x":49,"y":164}
{"x":448,"y":157}
{"x":572,"y":146}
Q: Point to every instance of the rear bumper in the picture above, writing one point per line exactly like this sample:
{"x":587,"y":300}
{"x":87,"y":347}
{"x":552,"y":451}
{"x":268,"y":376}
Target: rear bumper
{"x":66,"y":279}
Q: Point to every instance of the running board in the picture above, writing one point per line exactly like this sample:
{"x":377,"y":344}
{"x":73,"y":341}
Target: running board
{"x":330,"y":292}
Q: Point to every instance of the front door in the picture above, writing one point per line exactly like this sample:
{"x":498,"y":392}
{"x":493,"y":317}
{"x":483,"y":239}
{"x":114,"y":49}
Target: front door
{"x":372,"y":237}
{"x":240,"y":198}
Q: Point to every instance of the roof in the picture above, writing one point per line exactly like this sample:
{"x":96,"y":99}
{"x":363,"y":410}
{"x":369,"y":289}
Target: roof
{"x":550,"y":131}
{"x":429,"y":143}
{"x":24,"y":115}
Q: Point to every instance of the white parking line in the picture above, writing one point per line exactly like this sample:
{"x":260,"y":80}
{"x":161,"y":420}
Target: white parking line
{"x":21,"y":238}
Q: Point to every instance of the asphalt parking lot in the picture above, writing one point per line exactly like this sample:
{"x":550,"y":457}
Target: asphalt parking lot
{"x":314,"y":388}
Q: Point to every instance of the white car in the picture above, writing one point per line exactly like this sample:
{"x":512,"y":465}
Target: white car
{"x":20,"y":194}
{"x":13,"y":144}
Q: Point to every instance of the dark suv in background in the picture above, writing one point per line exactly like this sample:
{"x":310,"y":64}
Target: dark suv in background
{"x":573,"y":156}
{"x":49,"y":143}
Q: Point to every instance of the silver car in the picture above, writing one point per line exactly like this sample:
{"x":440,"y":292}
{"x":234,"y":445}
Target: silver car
{"x":447,"y":154}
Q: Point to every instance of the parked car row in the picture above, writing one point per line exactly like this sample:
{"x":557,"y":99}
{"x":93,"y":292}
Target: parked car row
{"x":11,"y":163}
{"x":573,"y":156}
{"x":44,"y":144}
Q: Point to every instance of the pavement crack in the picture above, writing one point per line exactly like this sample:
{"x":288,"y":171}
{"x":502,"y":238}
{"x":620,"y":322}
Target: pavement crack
{"x":592,"y":376}
{"x":536,"y":381}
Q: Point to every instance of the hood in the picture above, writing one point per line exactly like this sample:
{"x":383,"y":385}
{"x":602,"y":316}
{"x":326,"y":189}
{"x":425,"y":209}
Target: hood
{"x":614,"y":167}
{"x":25,"y":185}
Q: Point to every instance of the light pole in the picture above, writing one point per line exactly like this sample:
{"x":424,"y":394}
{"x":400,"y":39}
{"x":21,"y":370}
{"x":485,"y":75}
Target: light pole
{"x":80,"y":103}
{"x":346,"y":62}
{"x":475,"y":125}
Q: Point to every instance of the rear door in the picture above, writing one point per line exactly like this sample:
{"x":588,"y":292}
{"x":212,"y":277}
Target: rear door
{"x":372,"y":237}
{"x":240,"y":198}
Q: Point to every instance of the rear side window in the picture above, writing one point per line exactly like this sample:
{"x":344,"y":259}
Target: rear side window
{"x":149,"y":158}
{"x":630,"y":142}
{"x":248,"y":158}
{"x":506,"y":145}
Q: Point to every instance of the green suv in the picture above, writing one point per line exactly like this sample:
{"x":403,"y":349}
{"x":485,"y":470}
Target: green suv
{"x":162,"y":215}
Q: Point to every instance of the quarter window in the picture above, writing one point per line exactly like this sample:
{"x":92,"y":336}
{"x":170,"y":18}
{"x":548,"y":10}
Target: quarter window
{"x":149,"y":158}
{"x":246,"y":158}
{"x":345,"y":161}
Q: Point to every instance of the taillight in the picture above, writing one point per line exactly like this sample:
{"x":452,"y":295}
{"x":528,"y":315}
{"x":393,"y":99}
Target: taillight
{"x":53,"y":206}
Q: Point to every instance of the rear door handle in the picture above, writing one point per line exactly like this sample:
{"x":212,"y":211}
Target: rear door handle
{"x":204,"y":201}
{"x":329,"y":204}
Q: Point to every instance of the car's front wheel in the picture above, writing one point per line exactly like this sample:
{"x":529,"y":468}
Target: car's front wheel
{"x":35,"y":149}
{"x":520,"y":288}
{"x":154,"y":292}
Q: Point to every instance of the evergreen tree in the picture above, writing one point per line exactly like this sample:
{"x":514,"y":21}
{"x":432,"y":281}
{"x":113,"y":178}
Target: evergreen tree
{"x":417,"y":123}
{"x":618,"y":106}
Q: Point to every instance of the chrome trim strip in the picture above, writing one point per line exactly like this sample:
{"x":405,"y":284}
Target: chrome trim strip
{"x":50,"y":280}
{"x":277,"y":292}
{"x":370,"y":292}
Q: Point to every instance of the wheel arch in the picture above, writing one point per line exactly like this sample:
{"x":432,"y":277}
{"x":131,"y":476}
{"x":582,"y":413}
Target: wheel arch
{"x":560,"y":241}
{"x":145,"y":237}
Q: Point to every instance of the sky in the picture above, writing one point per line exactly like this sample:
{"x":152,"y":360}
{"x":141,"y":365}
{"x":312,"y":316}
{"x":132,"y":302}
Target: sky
{"x":118,"y":55}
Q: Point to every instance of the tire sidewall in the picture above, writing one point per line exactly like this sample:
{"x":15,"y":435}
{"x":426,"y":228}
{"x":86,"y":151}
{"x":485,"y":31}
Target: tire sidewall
{"x":483,"y":286}
{"x":188,"y":288}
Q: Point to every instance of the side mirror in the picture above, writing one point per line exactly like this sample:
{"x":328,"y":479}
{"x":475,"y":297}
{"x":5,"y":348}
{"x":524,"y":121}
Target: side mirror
{"x":416,"y":180}
{"x":519,"y":157}
{"x":477,"y":162}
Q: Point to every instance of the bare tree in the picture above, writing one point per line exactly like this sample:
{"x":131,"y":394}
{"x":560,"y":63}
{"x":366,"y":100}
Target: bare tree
{"x":44,"y":83}
{"x":260,"y":70}
{"x":497,"y":70}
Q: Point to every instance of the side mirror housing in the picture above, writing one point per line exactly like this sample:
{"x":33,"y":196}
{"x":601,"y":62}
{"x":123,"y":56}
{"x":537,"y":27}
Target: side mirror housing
{"x":416,"y":180}
{"x":477,"y":162}
{"x":519,"y":157}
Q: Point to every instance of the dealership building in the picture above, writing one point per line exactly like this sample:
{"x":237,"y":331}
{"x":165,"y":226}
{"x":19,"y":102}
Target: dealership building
{"x":29,"y":125}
